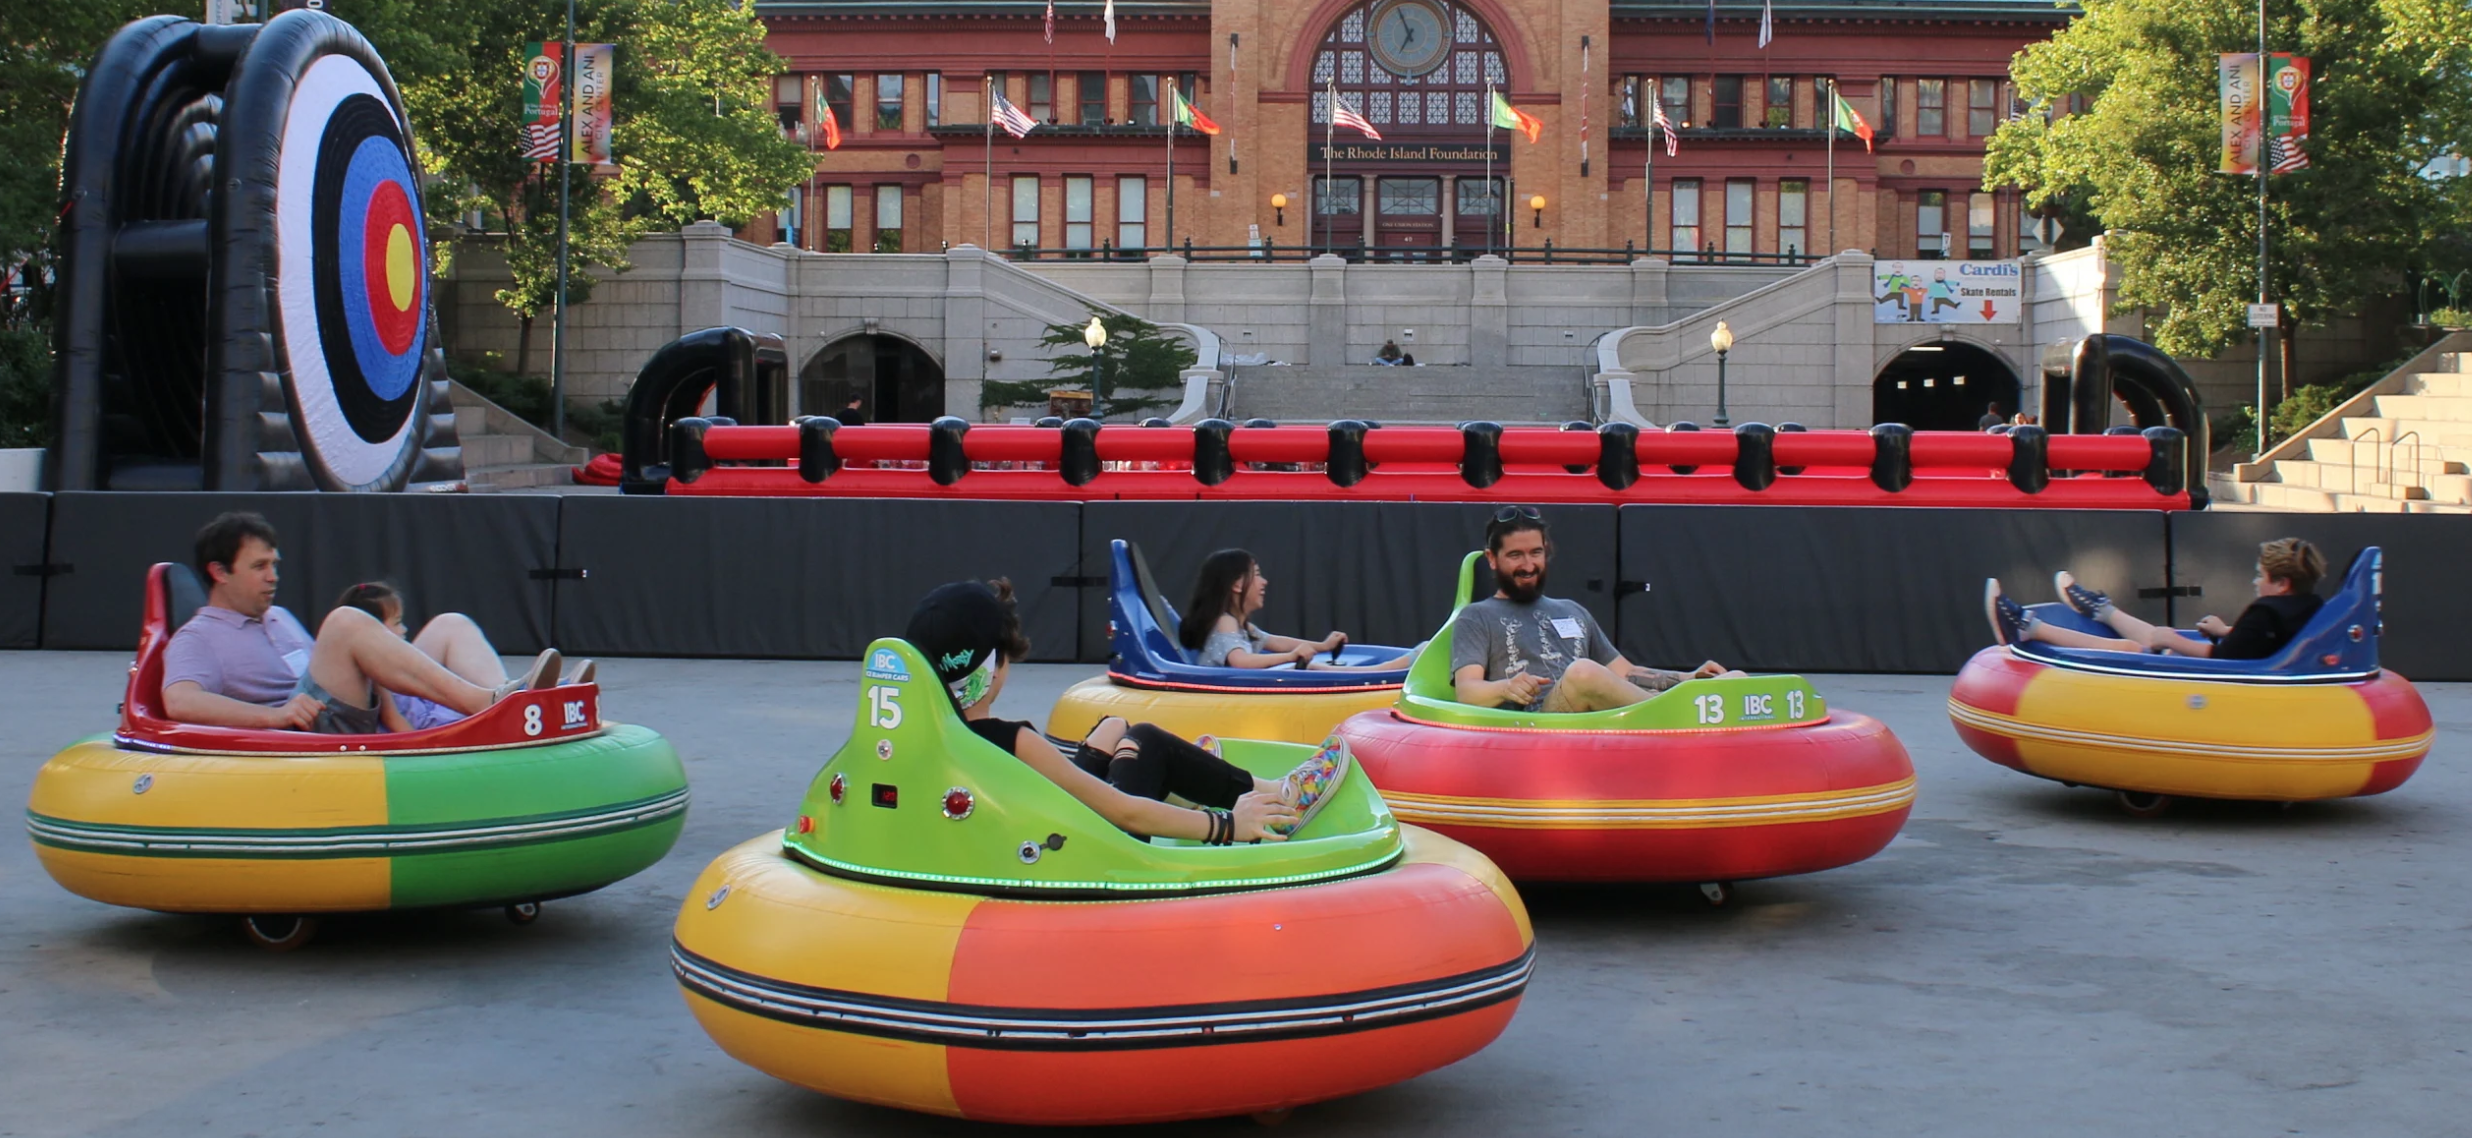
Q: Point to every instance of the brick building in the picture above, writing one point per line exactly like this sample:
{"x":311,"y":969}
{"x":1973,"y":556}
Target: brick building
{"x":916,"y":171}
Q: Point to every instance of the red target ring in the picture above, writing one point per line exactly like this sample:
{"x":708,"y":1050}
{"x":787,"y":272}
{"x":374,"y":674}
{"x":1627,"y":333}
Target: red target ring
{"x":391,"y":267}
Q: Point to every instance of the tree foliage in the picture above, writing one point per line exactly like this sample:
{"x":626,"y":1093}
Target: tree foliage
{"x":2392,"y":91}
{"x":1139,"y":356}
{"x":44,"y":50}
{"x":694,"y":136}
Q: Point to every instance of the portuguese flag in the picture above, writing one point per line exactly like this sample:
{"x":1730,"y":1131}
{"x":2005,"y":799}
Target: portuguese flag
{"x":1186,"y":115}
{"x":1509,"y":117}
{"x":1850,"y":122}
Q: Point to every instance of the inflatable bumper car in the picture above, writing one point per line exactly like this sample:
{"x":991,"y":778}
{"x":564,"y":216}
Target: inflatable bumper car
{"x":2318,"y":720}
{"x":942,"y":929}
{"x":533,"y":799}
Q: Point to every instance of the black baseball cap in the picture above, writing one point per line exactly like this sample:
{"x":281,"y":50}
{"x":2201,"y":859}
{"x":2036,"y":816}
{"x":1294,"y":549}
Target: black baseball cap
{"x":958,"y":627}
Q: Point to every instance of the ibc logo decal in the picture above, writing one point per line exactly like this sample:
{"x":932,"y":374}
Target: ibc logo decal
{"x":573,"y":716}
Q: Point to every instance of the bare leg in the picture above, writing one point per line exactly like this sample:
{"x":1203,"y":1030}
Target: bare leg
{"x":353,"y":651}
{"x":1591,"y":686}
{"x":2071,"y":638}
{"x":454,"y":640}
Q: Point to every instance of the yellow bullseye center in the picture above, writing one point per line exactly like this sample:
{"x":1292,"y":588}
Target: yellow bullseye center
{"x":401,"y":264}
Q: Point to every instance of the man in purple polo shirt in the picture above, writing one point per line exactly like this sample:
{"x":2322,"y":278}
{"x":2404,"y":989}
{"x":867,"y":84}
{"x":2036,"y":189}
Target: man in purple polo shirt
{"x":242,"y":662}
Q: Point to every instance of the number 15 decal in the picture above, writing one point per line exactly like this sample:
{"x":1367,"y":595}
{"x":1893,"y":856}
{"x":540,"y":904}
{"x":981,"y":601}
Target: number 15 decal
{"x":883,"y":707}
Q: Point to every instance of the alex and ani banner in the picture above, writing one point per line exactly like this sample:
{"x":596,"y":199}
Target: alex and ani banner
{"x":595,"y":69}
{"x":2265,"y":102}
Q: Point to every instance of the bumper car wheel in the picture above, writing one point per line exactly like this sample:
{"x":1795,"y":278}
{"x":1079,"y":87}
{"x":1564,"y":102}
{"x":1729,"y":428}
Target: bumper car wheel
{"x":279,"y":933}
{"x":524,"y":912}
{"x":2138,"y":804}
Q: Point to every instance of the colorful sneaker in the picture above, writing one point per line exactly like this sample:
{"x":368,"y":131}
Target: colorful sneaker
{"x":1208,"y":743}
{"x":1312,"y":783}
{"x":2079,"y":597}
{"x":2008,"y":618}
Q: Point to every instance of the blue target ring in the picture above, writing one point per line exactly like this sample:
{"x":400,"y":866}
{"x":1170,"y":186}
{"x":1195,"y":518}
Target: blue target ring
{"x":375,"y":228}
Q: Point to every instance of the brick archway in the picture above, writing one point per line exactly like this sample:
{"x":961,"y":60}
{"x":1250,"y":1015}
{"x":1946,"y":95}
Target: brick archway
{"x":1496,"y":18}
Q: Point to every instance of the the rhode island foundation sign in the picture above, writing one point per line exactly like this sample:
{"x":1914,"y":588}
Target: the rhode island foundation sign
{"x":1946,"y":292}
{"x":1409,"y":152}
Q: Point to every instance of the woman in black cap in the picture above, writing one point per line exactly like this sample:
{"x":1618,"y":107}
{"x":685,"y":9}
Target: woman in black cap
{"x":970,"y":634}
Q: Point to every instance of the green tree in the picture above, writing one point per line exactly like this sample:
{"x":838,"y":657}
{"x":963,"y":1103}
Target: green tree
{"x":2392,"y":92}
{"x":1139,"y":356}
{"x":44,"y":50}
{"x":695,"y":134}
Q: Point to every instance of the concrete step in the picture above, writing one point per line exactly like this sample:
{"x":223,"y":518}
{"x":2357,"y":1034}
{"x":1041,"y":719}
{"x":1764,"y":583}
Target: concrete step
{"x":2453,"y":488}
{"x":2431,"y":433}
{"x":482,"y":450}
{"x":525,"y":476}
{"x":2427,"y":408}
{"x":2431,"y":459}
{"x":2441,"y":508}
{"x":2442,"y":383}
{"x":2282,"y":496}
{"x":1404,"y":395}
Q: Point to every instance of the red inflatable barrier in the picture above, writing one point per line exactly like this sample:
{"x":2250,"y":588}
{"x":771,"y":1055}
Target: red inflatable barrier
{"x":1617,"y":463}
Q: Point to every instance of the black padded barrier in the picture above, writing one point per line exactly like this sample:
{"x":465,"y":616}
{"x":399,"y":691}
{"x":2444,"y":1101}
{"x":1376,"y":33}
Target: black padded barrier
{"x":476,"y":555}
{"x":798,"y":577}
{"x":24,"y":525}
{"x":1810,"y":589}
{"x":1380,"y":571}
{"x":2428,"y":610}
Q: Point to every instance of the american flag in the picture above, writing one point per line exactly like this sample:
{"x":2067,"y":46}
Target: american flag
{"x":540,"y":142}
{"x":1342,"y":114}
{"x":1656,"y":112}
{"x":1010,"y":117}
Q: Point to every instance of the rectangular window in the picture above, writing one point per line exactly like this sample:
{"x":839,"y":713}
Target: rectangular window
{"x":1726,"y":111}
{"x":1410,"y":197}
{"x":1674,"y":94}
{"x":836,"y":219}
{"x":1979,"y":228}
{"x":888,"y":102}
{"x":1931,"y":107}
{"x":1738,"y":215}
{"x":1780,"y":109}
{"x":1025,"y":211}
{"x":1337,"y":197}
{"x":1077,"y":228}
{"x":1793,"y":218}
{"x":1480,"y":197}
{"x":888,"y":219}
{"x":1189,"y":84}
{"x":841,"y":94}
{"x":1144,"y":109}
{"x":1686,"y":218}
{"x":1982,"y":107}
{"x":1931,"y":223}
{"x":790,"y":99}
{"x":1887,"y":126}
{"x":1628,"y":97}
{"x":1132,"y":212}
{"x":790,"y":217}
{"x":1090,"y":89}
{"x":935,"y":98}
{"x":1042,"y":106}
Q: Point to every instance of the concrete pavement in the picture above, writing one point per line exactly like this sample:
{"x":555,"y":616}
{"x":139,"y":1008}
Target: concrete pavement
{"x":2023,"y":961}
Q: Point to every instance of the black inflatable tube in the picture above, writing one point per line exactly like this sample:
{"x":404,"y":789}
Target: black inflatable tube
{"x":1892,"y":457}
{"x":1480,"y":453}
{"x":1346,"y":463}
{"x":1755,"y":456}
{"x":670,"y":387}
{"x":2090,"y":384}
{"x":947,"y":462}
{"x":817,"y":460}
{"x":1617,"y":455}
{"x":688,"y":461}
{"x":2167,"y":471}
{"x":1080,"y":461}
{"x":1212,"y":464}
{"x":2029,"y":466}
{"x":2161,"y":378}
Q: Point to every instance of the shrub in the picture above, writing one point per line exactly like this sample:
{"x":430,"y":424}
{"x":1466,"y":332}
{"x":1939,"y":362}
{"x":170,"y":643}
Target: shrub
{"x":25,"y":387}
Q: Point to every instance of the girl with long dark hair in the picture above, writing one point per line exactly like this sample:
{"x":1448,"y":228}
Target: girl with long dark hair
{"x":1217,"y":625}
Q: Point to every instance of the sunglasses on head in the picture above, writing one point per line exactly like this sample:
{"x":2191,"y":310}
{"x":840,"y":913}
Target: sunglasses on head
{"x":1508,"y":513}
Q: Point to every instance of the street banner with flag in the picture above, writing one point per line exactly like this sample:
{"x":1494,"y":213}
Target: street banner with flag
{"x":826,"y":120}
{"x":1656,"y":115}
{"x":1050,"y":27}
{"x":2243,"y":111}
{"x":1186,"y":114}
{"x":1004,"y":114}
{"x":541,"y":88}
{"x":1768,"y":22}
{"x":2287,"y":113}
{"x":1849,"y":121}
{"x":596,"y":73}
{"x":1109,"y":14}
{"x":1509,"y":117}
{"x":1342,"y":114}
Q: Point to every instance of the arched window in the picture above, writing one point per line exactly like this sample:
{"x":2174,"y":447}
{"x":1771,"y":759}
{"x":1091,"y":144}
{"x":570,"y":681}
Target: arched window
{"x":1418,"y":67}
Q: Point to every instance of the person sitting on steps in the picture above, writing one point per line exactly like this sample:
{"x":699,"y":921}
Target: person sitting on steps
{"x":243,"y":662}
{"x":1217,"y":627}
{"x":452,"y":639}
{"x":970,"y":633}
{"x":2288,"y":570}
{"x":1524,"y":650}
{"x":1389,"y":355}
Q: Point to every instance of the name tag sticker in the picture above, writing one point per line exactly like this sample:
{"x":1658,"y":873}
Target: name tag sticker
{"x":1567,"y":628}
{"x":297,"y":661}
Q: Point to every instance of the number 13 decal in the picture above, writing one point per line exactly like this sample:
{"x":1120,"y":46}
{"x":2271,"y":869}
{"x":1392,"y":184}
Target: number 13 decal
{"x":1711,"y":708}
{"x":883,"y":707}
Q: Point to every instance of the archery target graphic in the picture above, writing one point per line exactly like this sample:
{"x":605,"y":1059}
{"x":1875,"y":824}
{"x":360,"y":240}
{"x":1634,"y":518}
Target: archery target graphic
{"x":352,"y":272}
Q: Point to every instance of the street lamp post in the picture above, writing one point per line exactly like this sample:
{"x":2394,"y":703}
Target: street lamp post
{"x":1096,"y":336}
{"x":1278,"y":203}
{"x":1723,"y":341}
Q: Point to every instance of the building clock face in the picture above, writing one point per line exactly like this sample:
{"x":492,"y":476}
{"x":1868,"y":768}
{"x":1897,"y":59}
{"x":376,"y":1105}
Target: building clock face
{"x":1410,"y":37}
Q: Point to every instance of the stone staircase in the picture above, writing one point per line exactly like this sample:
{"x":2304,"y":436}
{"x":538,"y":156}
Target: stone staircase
{"x":502,"y":452}
{"x":1401,"y":395}
{"x":2402,"y":446}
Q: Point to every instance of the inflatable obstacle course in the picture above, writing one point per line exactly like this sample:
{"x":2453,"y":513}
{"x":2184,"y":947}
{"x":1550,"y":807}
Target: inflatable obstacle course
{"x":244,"y":291}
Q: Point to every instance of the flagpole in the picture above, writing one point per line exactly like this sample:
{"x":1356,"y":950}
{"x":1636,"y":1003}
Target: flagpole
{"x":987,"y":235}
{"x":1329,"y":138}
{"x":1833,"y":100}
{"x":2264,"y":104}
{"x":566,"y":170}
{"x":1648,"y":174}
{"x":1176,"y":107}
{"x":1502,"y":203}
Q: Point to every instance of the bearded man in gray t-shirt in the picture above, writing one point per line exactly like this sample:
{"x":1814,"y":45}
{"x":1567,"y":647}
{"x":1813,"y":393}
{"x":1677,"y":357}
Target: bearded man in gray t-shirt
{"x":1522,"y":649}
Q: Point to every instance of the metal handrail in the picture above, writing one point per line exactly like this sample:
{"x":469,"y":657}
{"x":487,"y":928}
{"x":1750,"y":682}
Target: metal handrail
{"x":2351,"y":459}
{"x":2413,"y":435}
{"x":1546,"y":253}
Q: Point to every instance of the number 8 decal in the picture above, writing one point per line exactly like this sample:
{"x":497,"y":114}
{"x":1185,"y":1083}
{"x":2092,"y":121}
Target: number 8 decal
{"x":532,"y":720}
